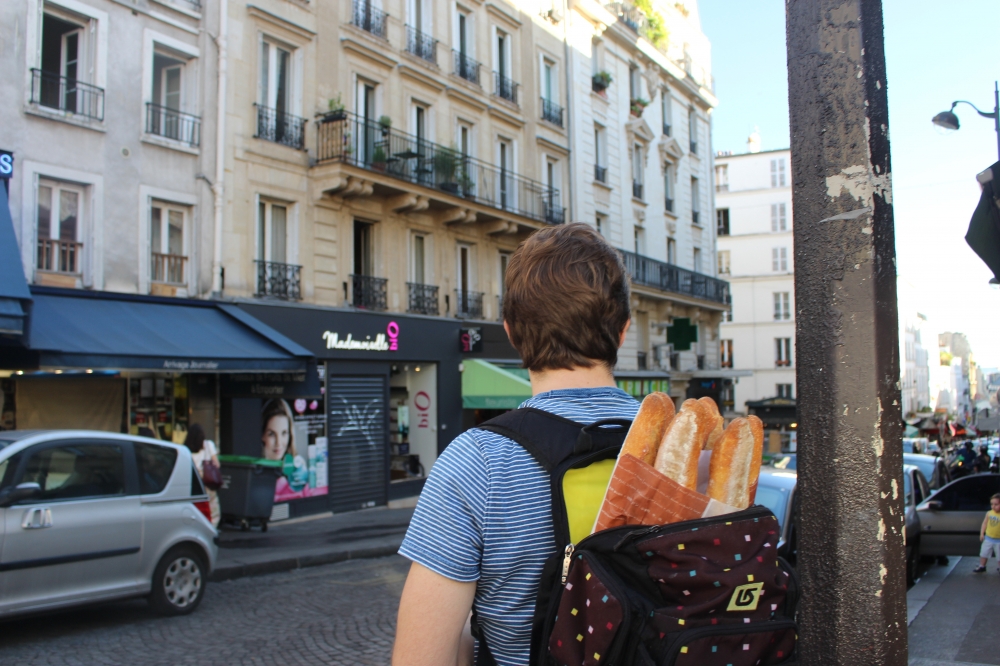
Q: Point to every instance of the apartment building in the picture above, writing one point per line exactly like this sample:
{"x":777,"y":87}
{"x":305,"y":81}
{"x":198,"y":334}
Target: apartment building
{"x":753,"y":218}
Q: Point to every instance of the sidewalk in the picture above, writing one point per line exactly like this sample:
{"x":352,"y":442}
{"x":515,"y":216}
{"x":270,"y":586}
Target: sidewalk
{"x":953,"y":615}
{"x":310,"y":541}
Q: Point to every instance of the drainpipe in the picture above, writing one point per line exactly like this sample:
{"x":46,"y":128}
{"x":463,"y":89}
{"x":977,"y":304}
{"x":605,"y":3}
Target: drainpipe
{"x":569,"y":111}
{"x":218,"y":188}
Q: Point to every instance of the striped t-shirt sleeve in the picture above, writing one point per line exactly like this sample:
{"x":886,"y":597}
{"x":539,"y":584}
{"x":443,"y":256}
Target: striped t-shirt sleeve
{"x":446,"y":531}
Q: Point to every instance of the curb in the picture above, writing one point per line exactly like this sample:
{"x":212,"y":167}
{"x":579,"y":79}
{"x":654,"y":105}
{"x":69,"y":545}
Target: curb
{"x":233,"y":572}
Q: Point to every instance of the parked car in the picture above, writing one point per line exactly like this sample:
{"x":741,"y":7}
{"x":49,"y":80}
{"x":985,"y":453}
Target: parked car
{"x":915,"y":490}
{"x":93,"y":516}
{"x":933,"y":468}
{"x":784,"y":461}
{"x":950,"y":518}
{"x":776,"y":491}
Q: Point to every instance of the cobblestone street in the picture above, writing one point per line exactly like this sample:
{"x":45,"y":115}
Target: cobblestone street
{"x":341,"y":613}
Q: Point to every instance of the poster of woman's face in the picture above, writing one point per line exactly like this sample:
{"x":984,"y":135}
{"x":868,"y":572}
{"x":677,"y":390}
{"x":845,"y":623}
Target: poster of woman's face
{"x":277,"y":436}
{"x":304,"y":470}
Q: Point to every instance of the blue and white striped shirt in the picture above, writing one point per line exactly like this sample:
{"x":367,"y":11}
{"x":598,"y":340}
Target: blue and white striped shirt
{"x":485,"y":515}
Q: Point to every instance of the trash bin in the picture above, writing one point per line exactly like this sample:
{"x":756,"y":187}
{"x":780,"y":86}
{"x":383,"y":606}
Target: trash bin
{"x":247,"y":493}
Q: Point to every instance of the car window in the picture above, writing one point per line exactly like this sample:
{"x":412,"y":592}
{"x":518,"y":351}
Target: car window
{"x":77,"y":470}
{"x":907,"y":487}
{"x":155,"y":465}
{"x":775,"y":499}
{"x":969,"y":494}
{"x":196,"y":486}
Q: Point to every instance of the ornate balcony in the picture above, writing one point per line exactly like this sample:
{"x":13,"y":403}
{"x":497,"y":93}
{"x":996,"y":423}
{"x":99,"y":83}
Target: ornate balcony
{"x":59,"y":256}
{"x":280,"y":127}
{"x":468,"y":304}
{"x":369,"y":18}
{"x":167,"y":268}
{"x":552,"y":112}
{"x":278,"y":280}
{"x":466,"y":67}
{"x":368,"y":293}
{"x":421,"y":44}
{"x":505,"y":88}
{"x":62,"y":93}
{"x":423,"y":298}
{"x":173,"y":124}
{"x":667,"y":277}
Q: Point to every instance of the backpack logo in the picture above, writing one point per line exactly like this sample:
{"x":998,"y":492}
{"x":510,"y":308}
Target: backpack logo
{"x":746,"y":597}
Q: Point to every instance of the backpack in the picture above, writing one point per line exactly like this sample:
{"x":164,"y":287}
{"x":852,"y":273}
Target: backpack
{"x":695,"y":593}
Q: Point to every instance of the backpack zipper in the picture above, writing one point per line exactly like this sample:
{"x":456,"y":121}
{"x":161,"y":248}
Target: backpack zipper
{"x":567,"y":558}
{"x":752,"y":512}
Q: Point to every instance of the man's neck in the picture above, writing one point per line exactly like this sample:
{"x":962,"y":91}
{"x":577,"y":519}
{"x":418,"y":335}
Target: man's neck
{"x":598,"y":376}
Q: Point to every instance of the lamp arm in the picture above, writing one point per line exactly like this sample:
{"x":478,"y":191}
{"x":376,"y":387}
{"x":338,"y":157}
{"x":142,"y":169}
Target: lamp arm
{"x":982,"y":113}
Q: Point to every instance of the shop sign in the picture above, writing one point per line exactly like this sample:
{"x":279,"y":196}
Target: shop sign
{"x":268,"y":384}
{"x":383,"y":342}
{"x":471,"y":340}
{"x":422,"y":401}
{"x":170,"y":364}
{"x":6,"y":164}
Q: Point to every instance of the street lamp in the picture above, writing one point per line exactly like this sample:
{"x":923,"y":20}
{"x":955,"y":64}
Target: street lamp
{"x":949,"y":121}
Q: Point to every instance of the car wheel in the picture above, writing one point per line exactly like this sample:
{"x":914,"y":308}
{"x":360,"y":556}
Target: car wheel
{"x":178,"y":582}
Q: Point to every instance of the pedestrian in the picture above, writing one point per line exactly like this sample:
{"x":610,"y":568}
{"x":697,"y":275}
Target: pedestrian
{"x":201,"y":450}
{"x":482,"y":529}
{"x":981,"y":465}
{"x":989,"y":535}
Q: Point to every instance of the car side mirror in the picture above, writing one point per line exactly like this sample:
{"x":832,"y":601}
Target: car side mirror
{"x":21,"y":491}
{"x":934,"y":505}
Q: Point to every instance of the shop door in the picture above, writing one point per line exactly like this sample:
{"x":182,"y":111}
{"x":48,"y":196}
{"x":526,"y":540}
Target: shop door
{"x":358,"y":442}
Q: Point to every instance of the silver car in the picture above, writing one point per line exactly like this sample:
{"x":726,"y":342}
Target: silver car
{"x":950,"y":518}
{"x":91,"y":516}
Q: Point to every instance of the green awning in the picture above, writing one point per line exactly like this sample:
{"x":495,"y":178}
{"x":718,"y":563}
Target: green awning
{"x":488,"y":386}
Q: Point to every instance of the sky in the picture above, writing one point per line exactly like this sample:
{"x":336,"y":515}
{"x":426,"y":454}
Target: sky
{"x":935,"y":54}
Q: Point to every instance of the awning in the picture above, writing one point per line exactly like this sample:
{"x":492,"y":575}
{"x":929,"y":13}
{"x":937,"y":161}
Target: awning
{"x":489,"y":386}
{"x":14,"y":294}
{"x":72,"y":329}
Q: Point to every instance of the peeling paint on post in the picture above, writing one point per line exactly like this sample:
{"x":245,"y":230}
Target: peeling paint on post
{"x":851,"y":550}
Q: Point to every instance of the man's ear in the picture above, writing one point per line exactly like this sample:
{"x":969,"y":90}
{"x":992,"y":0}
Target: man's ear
{"x":506,"y":328}
{"x":621,"y":338}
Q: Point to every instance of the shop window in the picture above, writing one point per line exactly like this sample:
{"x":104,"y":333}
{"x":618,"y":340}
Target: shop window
{"x":166,"y":239}
{"x":59,"y":226}
{"x":412,"y":420}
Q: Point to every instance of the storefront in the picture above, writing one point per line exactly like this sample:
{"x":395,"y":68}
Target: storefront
{"x":780,"y":423}
{"x":390,"y":401}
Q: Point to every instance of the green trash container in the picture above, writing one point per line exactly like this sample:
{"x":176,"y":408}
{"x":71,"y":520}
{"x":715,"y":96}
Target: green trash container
{"x":247,"y":493}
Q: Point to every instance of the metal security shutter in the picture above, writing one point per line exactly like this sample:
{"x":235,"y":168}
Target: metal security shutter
{"x":358,"y":436}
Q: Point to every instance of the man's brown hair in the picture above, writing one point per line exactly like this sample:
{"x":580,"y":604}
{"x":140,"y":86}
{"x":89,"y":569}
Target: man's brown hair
{"x":566,"y":299}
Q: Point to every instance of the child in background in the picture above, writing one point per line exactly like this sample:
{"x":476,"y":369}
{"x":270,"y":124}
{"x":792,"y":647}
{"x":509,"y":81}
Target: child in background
{"x":989,"y":534}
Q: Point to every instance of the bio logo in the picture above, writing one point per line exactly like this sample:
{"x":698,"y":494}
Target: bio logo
{"x":392,"y":330}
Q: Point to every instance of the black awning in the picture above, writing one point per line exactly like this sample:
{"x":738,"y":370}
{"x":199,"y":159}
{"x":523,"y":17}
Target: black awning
{"x":73,"y":329}
{"x":14,"y":294}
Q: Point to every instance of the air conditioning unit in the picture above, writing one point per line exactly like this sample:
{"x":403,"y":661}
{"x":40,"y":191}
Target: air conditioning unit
{"x":554,"y":14}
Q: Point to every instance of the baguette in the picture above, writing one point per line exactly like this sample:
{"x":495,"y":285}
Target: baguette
{"x":681,"y":447}
{"x":644,"y":437}
{"x":735,"y":463}
{"x":716,"y":434}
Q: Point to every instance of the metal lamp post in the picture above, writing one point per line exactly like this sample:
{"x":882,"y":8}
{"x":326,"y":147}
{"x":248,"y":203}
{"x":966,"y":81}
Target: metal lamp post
{"x":949,"y":121}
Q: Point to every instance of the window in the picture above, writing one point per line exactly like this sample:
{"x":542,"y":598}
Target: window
{"x":600,"y":168}
{"x":468,"y":303}
{"x":971,"y":493}
{"x":695,"y":201}
{"x":155,"y":464}
{"x":782,"y":306}
{"x":505,"y":159}
{"x":671,"y":251}
{"x":696,"y":260}
{"x":782,"y":352}
{"x":595,"y":53}
{"x":639,"y":238}
{"x":165,"y":113}
{"x":724,"y":262}
{"x":364,"y":248}
{"x":637,"y":163}
{"x":784,"y":391}
{"x":668,"y":189}
{"x":721,"y":221}
{"x":779,"y":259}
{"x":726,"y":353}
{"x":464,"y":33}
{"x":634,"y":83}
{"x":465,"y":140}
{"x":166,"y":241}
{"x":778,"y":172}
{"x":77,"y":471}
{"x":667,"y":111}
{"x":727,"y":315}
{"x":722,"y":178}
{"x":63,"y":80}
{"x":275,"y":121}
{"x":59,"y":227}
{"x":778,"y":220}
{"x":272,"y":232}
{"x":419,"y":258}
{"x":550,"y":85}
{"x":599,"y":224}
{"x":504,"y":263}
{"x":504,"y":86}
{"x":693,"y":130}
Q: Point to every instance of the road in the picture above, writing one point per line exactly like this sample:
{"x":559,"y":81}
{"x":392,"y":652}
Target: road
{"x":341,"y":613}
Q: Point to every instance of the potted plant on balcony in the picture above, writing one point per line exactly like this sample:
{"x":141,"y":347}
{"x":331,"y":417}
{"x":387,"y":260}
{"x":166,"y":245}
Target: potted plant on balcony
{"x":336,"y":110}
{"x":445,"y":164}
{"x":637,"y":105}
{"x":385,"y":122}
{"x":378,"y":159}
{"x":601,"y":81}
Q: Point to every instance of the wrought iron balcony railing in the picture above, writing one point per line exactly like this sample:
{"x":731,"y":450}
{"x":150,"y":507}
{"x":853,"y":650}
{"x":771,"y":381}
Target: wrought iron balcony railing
{"x":600,"y":173}
{"x":466,"y":67}
{"x":552,"y":112}
{"x":505,"y":88}
{"x":368,"y":293}
{"x":369,"y":18}
{"x":468,"y":304}
{"x":173,"y":124}
{"x":167,"y":268}
{"x":280,"y":127}
{"x":62,"y":93}
{"x":278,"y":280}
{"x":59,"y":256}
{"x":366,"y":144}
{"x":423,"y":298}
{"x":421,"y":44}
{"x":667,"y":277}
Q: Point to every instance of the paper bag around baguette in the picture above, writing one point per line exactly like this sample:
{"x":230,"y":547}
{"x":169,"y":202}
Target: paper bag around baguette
{"x":735,"y":463}
{"x":715,"y":435}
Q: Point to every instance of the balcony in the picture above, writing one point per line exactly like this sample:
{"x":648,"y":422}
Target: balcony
{"x":667,"y":277}
{"x":423,"y":298}
{"x":368,"y":293}
{"x":369,"y":18}
{"x":468,"y":304}
{"x":71,"y":96}
{"x":364,"y":143}
{"x":167,"y":268}
{"x":172,"y":124}
{"x":505,"y":88}
{"x":600,"y":173}
{"x":278,"y":280}
{"x":280,"y":127}
{"x":552,"y":112}
{"x":637,"y":190}
{"x":59,"y":256}
{"x":466,"y":67}
{"x":421,"y":44}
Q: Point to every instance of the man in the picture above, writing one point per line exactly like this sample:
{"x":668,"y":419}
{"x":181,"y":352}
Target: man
{"x":482,"y":529}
